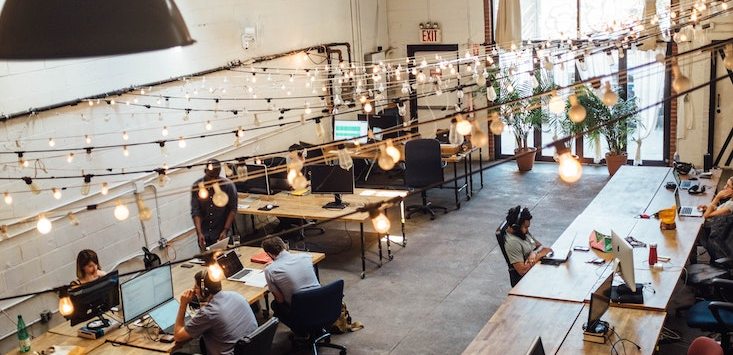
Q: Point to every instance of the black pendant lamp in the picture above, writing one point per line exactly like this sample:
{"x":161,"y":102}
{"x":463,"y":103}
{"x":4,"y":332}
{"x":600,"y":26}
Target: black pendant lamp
{"x":56,"y":29}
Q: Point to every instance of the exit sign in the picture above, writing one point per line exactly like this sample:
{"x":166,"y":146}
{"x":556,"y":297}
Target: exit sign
{"x":430,"y":35}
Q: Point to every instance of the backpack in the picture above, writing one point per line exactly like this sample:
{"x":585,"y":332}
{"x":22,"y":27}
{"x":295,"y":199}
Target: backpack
{"x":344,"y":324}
{"x":151,"y":260}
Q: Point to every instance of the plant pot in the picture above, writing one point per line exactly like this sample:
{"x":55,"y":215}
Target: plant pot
{"x":525,"y":162}
{"x":615,"y":161}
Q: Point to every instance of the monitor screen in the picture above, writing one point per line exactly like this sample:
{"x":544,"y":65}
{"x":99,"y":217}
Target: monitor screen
{"x":536,"y":348}
{"x":350,"y":129}
{"x":256,"y":182}
{"x":94,"y":298}
{"x":599,"y":301}
{"x":165,"y":315}
{"x":331,"y":179}
{"x":145,"y":292}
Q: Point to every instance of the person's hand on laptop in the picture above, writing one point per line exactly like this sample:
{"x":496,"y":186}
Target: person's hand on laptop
{"x":223,"y":235}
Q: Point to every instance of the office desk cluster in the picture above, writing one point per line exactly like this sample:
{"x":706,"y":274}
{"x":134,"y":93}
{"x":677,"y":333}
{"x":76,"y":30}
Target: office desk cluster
{"x":552,"y":301}
{"x":139,"y":340}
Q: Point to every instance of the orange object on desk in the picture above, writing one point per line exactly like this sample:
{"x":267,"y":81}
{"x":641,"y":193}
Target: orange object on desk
{"x":261,"y":258}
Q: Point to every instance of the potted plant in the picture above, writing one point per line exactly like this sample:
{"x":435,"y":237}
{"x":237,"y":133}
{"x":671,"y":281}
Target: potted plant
{"x":615,"y":132}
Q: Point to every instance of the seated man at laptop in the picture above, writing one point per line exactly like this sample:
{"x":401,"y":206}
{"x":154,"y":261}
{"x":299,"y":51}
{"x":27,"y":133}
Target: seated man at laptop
{"x":521,"y":248}
{"x":224,"y":317}
{"x":287,"y":274}
{"x":718,"y":208}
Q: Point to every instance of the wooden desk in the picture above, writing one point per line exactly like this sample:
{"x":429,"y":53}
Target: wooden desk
{"x":117,"y":349}
{"x":309,"y":206}
{"x":47,"y":340}
{"x":629,"y":191}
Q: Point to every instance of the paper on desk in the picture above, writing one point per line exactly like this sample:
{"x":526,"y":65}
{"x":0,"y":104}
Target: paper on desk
{"x":68,"y":350}
{"x":255,"y":278}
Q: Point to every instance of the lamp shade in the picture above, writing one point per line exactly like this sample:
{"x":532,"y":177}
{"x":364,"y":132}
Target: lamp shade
{"x":55,"y":29}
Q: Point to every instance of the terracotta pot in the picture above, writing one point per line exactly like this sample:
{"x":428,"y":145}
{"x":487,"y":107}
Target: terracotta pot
{"x":525,"y":162}
{"x":615,"y":161}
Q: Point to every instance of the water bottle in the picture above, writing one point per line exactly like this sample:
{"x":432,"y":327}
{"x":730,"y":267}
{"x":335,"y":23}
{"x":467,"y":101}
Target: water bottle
{"x":652,"y":254}
{"x":24,"y":339}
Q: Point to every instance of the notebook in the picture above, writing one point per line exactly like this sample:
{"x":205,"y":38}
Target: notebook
{"x":261,"y":258}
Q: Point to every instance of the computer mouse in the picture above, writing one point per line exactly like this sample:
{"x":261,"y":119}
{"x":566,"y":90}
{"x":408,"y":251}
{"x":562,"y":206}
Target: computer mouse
{"x":269,"y":206}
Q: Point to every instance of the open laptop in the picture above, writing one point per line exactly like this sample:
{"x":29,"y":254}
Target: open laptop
{"x":232,"y":266}
{"x":220,"y":245}
{"x":165,"y":316}
{"x":683,"y":184}
{"x":685,"y":211}
{"x":559,"y":256}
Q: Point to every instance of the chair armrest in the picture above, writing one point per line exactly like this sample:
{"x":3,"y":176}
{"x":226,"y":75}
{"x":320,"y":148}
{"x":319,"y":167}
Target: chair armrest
{"x":726,"y":262}
{"x":722,"y":283}
{"x":715,"y":307}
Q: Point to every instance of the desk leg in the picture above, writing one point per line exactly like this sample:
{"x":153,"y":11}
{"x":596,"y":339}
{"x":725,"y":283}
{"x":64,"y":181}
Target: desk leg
{"x":455,"y":185}
{"x":379,"y":247}
{"x":318,"y":275}
{"x":402,"y":223}
{"x":363,"y":255}
{"x":470,"y":171}
{"x":481,"y":166}
{"x":466,"y":175}
{"x":389,"y":251}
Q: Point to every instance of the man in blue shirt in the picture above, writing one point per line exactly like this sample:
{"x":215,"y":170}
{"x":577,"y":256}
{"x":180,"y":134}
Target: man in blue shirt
{"x":212,"y":222}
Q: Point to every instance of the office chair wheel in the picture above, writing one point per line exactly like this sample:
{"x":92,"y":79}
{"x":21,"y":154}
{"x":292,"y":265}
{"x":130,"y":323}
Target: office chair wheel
{"x":342,"y":352}
{"x":391,"y":257}
{"x":363,"y":275}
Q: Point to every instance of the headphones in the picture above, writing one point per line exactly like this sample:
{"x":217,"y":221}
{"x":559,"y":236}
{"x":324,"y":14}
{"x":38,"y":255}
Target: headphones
{"x":517,"y":222}
{"x":696,"y":190}
{"x":202,"y":285}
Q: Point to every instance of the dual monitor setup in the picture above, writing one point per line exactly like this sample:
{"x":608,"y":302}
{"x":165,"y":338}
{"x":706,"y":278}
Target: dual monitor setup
{"x":348,"y":130}
{"x":148,"y":293}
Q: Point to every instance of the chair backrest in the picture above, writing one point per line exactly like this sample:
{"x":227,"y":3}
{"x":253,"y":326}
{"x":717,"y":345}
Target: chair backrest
{"x":316,"y":308}
{"x":514,"y":276}
{"x":704,"y":346}
{"x":423,"y":164}
{"x":150,"y":259}
{"x":258,"y":342}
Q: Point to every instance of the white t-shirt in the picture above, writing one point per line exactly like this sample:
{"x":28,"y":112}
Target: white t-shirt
{"x":728,"y":205}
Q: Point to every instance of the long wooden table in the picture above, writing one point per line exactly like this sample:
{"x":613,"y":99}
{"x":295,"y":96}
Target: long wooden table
{"x":136,"y":339}
{"x":310,"y":206}
{"x":561,"y":293}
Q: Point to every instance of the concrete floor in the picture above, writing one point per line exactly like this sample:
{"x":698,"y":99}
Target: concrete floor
{"x":437,"y":293}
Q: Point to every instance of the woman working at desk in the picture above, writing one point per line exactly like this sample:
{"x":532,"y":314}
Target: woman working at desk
{"x":523,"y":251}
{"x":716,"y":208}
{"x":87,"y":267}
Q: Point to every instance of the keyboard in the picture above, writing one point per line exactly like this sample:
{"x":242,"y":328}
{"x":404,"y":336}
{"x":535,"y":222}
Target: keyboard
{"x":686,"y":210}
{"x":242,"y":273}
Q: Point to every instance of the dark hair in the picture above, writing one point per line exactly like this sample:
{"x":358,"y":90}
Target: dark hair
{"x":516,"y":216}
{"x":83,"y":258}
{"x":215,"y":164}
{"x":273,"y":245}
{"x":212,"y":287}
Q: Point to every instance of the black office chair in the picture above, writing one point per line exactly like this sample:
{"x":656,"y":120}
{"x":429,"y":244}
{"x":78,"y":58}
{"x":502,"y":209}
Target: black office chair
{"x":258,"y":342}
{"x":715,"y":316}
{"x":313,"y":311}
{"x":514,"y":276}
{"x":423,"y":167}
{"x":150,"y":259}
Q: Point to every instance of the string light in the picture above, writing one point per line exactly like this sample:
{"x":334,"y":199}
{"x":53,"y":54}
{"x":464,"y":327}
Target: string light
{"x":87,"y":139}
{"x":43,"y":225}
{"x":104,"y":188}
{"x":163,"y":178}
{"x":66,"y":308}
{"x":181,"y":142}
{"x":577,"y":112}
{"x":208,"y":125}
{"x":144,"y":213}
{"x":32,"y":185}
{"x":384,"y":160}
{"x":556,"y":104}
{"x":121,"y":211}
{"x":164,"y":131}
{"x":72,"y":219}
{"x":463,"y":126}
{"x":380,"y":221}
{"x":8,"y":198}
{"x":392,"y":151}
{"x":51,"y":142}
{"x":125,"y":136}
{"x":56,"y":192}
{"x":203,"y":192}
{"x":215,"y":272}
{"x":86,"y":187}
{"x":478,"y":137}
{"x":496,"y":126}
{"x":609,"y":96}
{"x":70,"y":158}
{"x":220,"y":198}
{"x":569,"y":167}
{"x":125,"y":151}
{"x":368,"y":107}
{"x":681,"y":82}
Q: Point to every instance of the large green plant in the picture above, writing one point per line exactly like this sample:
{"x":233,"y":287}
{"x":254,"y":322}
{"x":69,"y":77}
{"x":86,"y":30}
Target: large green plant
{"x":615,"y":132}
{"x":524,"y":116}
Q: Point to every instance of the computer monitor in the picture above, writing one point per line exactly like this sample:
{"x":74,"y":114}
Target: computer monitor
{"x":332,"y":179}
{"x":536,"y":348}
{"x":145,"y":292}
{"x":93,"y":299}
{"x":378,"y":123}
{"x":624,"y":264}
{"x":347,"y":130}
{"x":599,"y":302}
{"x":257,"y":181}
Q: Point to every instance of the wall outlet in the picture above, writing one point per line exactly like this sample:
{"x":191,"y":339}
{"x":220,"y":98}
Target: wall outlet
{"x":46,"y":316}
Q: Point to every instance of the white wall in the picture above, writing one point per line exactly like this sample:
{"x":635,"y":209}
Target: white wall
{"x":31,"y":261}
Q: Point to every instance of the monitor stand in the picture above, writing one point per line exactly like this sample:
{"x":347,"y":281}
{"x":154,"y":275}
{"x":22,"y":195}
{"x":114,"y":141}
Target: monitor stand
{"x":622,"y":294}
{"x":337,"y":204}
{"x":99,"y":323}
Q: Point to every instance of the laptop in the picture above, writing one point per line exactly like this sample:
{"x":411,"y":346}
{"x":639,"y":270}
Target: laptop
{"x":232,"y":266}
{"x":165,"y":316}
{"x":220,"y":245}
{"x":559,"y":256}
{"x":685,"y":211}
{"x":683,"y":184}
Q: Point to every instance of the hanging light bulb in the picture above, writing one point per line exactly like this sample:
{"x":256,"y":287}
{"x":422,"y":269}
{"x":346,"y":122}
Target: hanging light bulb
{"x":345,"y":160}
{"x":577,"y":111}
{"x":8,"y":198}
{"x":496,"y":126}
{"x":569,"y":167}
{"x":86,"y":187}
{"x":728,"y":61}
{"x":51,"y":142}
{"x":459,"y":94}
{"x":384,"y":160}
{"x":125,"y":136}
{"x":203,"y":192}
{"x":66,"y":308}
{"x":380,"y":221}
{"x":368,"y":107}
{"x":220,"y":198}
{"x":556,"y":104}
{"x":87,"y":139}
{"x":421,"y":77}
{"x":208,"y":125}
{"x":478,"y":137}
{"x":121,"y":211}
{"x":215,"y":272}
{"x":163,"y":178}
{"x":143,"y":212}
{"x":70,"y":158}
{"x":104,"y":188}
{"x":681,"y":82}
{"x":43,"y":225}
{"x":56,"y":192}
{"x":35,"y":189}
{"x":609,"y":96}
{"x":125,"y":151}
{"x":72,"y":219}
{"x":491,"y":93}
{"x":463,"y":126}
{"x":181,"y":142}
{"x":320,"y":132}
{"x":164,"y":131}
{"x":453,"y":136}
{"x":392,"y":151}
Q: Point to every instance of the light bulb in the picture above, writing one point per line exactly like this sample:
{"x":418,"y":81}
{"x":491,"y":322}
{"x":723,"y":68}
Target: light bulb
{"x":491,"y":93}
{"x":215,"y":272}
{"x":143,"y":212}
{"x":121,"y":211}
{"x":681,"y":82}
{"x":463,"y":126}
{"x":478,"y":137}
{"x":104,"y":188}
{"x":577,"y":111}
{"x":164,"y":131}
{"x":453,"y":136}
{"x":125,"y":151}
{"x":86,"y":187}
{"x":556,"y":104}
{"x":345,"y":160}
{"x":125,"y":136}
{"x":208,"y":125}
{"x":242,"y":173}
{"x":728,"y":61}
{"x":72,"y":218}
{"x":480,"y":80}
{"x":8,"y":198}
{"x":368,"y":107}
{"x":385,"y":161}
{"x":163,"y":179}
{"x":181,"y":142}
{"x":56,"y":193}
{"x":220,"y":198}
{"x":380,"y":222}
{"x":87,"y":139}
{"x":51,"y":142}
{"x":496,"y":126}
{"x":203,"y":192}
{"x":43,"y":225}
{"x":292,"y":173}
{"x":569,"y":168}
{"x":609,"y":97}
{"x":32,"y":185}
{"x":66,"y":308}
{"x":70,"y":158}
{"x":320,"y":132}
{"x":392,"y":151}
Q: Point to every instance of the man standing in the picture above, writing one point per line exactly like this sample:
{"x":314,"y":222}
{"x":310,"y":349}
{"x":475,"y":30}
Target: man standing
{"x":213,"y":220}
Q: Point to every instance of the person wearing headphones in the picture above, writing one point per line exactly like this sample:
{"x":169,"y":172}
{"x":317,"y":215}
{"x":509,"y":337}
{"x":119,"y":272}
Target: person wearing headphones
{"x":212,"y":222}
{"x":87,"y":267}
{"x":522,"y":249}
{"x":224,"y":317}
{"x":717,"y":207}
